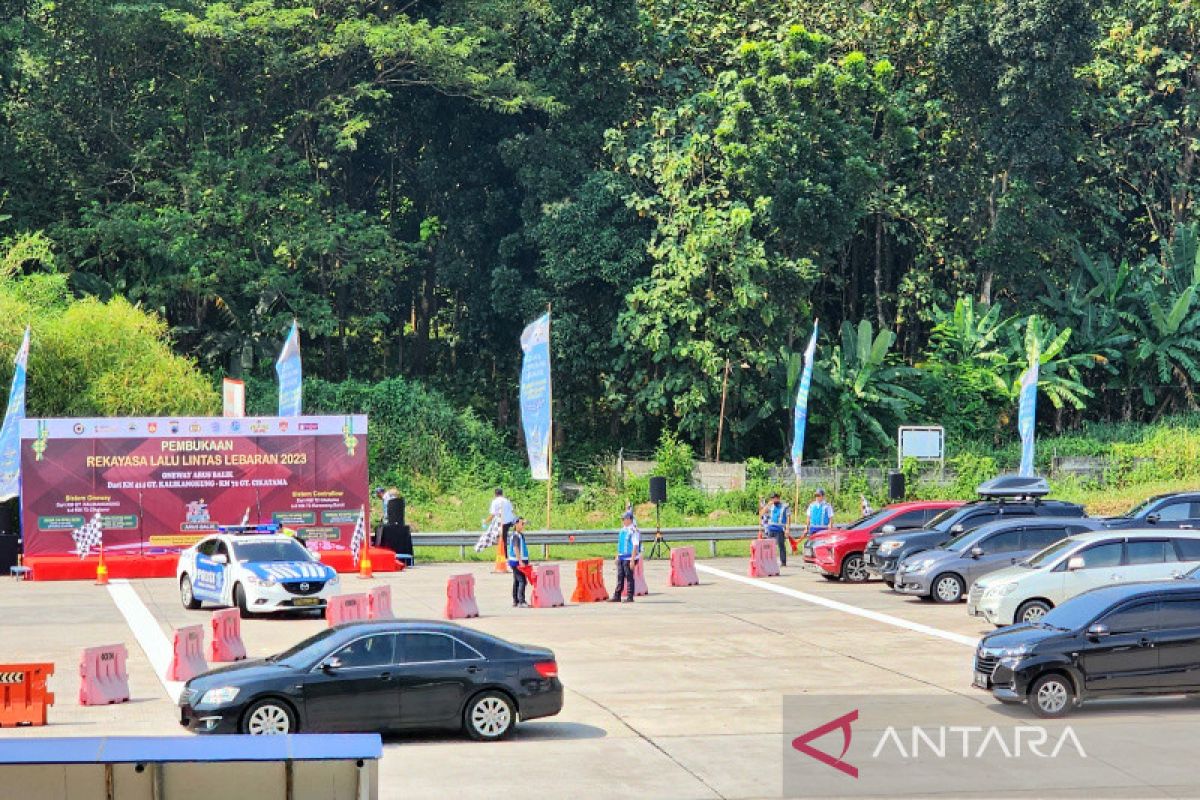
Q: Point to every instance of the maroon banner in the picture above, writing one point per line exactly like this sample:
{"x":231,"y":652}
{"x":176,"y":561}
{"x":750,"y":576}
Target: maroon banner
{"x":162,"y":484}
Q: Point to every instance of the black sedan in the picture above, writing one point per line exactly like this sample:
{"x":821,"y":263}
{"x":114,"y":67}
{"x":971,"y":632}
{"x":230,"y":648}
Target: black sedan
{"x":380,"y":676}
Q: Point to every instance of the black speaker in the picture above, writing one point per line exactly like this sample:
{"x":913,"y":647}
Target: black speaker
{"x":397,"y":538}
{"x":895,"y":486}
{"x":10,"y":548}
{"x":393,"y":512}
{"x":658,"y":490}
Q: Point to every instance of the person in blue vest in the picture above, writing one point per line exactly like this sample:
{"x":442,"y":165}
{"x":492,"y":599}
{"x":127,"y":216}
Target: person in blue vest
{"x":819,"y":515}
{"x":775,"y":521}
{"x":518,"y":558}
{"x":629,"y":550}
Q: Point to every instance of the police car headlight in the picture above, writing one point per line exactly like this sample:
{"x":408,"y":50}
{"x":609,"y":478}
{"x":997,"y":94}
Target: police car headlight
{"x":333,"y":580}
{"x":220,"y":696}
{"x":265,"y":583}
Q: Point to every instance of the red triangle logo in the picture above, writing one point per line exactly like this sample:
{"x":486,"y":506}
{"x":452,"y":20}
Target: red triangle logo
{"x":842,"y":723}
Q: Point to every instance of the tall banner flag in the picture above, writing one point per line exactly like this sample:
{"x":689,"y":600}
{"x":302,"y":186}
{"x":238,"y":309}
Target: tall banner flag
{"x":10,"y":434}
{"x":535,"y":395}
{"x":801,"y":411}
{"x":1027,"y":415}
{"x":287,"y":367}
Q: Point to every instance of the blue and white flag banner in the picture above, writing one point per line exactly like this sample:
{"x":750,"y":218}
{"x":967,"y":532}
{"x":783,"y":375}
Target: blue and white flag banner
{"x":10,"y":434}
{"x":287,"y":367}
{"x":801,"y":410}
{"x":1027,"y":416}
{"x":535,"y":395}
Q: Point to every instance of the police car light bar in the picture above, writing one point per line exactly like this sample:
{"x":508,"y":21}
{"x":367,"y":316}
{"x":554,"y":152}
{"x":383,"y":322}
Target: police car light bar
{"x":1013,"y":486}
{"x":249,"y":530}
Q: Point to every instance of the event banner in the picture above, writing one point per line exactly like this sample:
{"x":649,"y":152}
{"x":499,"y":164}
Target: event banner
{"x":161,"y":484}
{"x":535,"y":395}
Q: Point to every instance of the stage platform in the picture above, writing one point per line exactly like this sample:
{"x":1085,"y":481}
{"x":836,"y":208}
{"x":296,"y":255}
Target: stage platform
{"x":162,"y":565}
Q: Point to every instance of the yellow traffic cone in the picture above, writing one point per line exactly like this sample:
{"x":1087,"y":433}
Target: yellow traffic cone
{"x":101,"y":570}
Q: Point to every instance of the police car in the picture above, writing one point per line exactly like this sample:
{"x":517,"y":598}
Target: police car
{"x":256,"y":569}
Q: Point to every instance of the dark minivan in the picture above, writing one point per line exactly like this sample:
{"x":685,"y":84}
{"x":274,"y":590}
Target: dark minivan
{"x":1130,"y":639}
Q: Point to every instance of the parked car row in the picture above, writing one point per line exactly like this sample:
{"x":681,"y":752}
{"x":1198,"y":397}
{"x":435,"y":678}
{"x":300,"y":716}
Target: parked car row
{"x":1087,"y":607}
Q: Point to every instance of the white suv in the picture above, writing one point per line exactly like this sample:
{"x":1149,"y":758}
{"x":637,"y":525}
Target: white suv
{"x":1025,"y":592}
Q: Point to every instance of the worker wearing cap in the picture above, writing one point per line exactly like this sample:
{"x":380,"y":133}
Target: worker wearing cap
{"x":629,"y":550}
{"x":820,"y":514}
{"x":775,"y":520}
{"x":518,"y":557}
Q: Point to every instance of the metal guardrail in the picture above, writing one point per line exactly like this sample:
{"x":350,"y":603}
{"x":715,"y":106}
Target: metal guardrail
{"x":464,"y":539}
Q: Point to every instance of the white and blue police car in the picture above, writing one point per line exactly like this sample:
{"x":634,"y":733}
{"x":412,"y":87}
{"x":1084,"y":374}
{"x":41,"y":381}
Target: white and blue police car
{"x":256,"y":569}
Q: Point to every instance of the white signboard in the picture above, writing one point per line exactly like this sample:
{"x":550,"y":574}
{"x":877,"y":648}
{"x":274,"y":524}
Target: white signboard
{"x":924,"y":443}
{"x":234,"y":396}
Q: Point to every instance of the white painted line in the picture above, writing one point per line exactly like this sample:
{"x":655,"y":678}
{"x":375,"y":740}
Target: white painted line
{"x":146,"y":630}
{"x":845,"y":608}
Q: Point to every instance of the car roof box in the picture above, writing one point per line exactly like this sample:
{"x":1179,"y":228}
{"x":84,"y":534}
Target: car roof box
{"x":1014,"y":486}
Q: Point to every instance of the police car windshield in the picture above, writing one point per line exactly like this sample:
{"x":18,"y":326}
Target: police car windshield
{"x":258,"y":552}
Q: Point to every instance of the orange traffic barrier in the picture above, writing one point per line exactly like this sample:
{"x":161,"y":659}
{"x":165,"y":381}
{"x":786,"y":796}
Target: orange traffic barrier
{"x":226,"y":636}
{"x":460,"y":597}
{"x":379,"y":603}
{"x":23,"y":695}
{"x":639,"y":579}
{"x":102,"y":675}
{"x":589,"y":581}
{"x":547,"y":586}
{"x":187,"y":654}
{"x":347,"y":608}
{"x":764,"y":558}
{"x":683,"y":567}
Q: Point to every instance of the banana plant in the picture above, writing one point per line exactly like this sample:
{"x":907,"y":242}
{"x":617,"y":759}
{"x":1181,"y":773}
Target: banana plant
{"x":1060,"y":374}
{"x":859,"y":389}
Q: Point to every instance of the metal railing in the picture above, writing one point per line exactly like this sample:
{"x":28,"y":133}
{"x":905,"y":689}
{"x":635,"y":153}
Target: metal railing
{"x":464,"y":539}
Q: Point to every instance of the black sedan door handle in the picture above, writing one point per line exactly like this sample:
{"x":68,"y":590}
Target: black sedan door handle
{"x":473,"y":669}
{"x":1145,"y":642}
{"x":386,"y":676}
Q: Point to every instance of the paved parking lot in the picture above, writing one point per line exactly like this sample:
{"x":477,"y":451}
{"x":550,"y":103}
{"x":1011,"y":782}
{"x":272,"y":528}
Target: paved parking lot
{"x":676,"y":696}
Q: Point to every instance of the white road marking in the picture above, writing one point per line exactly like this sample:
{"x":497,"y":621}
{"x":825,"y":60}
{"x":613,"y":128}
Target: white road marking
{"x":146,"y":630}
{"x":845,"y":608}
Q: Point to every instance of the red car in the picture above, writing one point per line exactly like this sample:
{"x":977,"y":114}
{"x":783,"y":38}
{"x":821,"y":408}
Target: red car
{"x":837,"y":554}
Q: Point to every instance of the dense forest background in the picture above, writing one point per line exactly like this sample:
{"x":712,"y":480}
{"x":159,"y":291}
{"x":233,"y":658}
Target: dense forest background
{"x":946,"y":186}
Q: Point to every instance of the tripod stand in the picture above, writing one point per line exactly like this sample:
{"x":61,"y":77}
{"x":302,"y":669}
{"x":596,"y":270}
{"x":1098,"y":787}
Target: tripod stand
{"x":660,"y":543}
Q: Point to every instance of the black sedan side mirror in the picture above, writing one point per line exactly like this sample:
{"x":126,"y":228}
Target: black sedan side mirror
{"x":888,"y":529}
{"x":1097,"y":631}
{"x":1153,"y":518}
{"x":957,"y":529}
{"x":331,"y":665}
{"x":976,"y":551}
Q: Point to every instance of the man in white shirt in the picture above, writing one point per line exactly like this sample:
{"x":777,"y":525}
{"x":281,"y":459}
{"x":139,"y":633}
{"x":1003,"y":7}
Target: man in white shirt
{"x":502,"y":509}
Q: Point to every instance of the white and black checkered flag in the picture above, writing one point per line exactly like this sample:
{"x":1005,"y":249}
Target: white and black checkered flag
{"x":88,"y":535}
{"x":490,"y":535}
{"x":359,"y":535}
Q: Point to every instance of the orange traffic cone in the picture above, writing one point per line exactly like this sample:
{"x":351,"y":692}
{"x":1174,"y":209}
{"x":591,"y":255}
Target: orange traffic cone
{"x":501,"y":564}
{"x":364,"y":566}
{"x":101,"y":570}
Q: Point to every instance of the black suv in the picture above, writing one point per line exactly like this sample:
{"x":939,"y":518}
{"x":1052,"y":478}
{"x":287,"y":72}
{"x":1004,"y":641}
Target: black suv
{"x":1002,"y":498}
{"x":1177,"y":510}
{"x":1133,"y":638}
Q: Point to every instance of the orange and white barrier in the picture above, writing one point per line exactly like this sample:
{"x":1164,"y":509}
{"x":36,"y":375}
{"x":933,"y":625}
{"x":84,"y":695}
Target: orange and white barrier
{"x":187,"y":654}
{"x":226,"y":642}
{"x":379,"y":603}
{"x":547,"y":587}
{"x":764,"y":558}
{"x":102,"y":676}
{"x":639,"y":579}
{"x":683,"y":567}
{"x":23,"y":694}
{"x":346,"y":608}
{"x":460,"y":597}
{"x":589,"y":581}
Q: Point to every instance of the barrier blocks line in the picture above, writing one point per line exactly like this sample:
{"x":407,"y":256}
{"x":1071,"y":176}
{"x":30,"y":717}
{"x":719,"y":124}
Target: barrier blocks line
{"x":547,"y":587}
{"x":764,"y":558}
{"x":460,"y":597}
{"x":639,"y":579}
{"x":187,"y":654}
{"x":589,"y":581}
{"x":347,"y":608}
{"x":379,"y":603}
{"x":683,"y":567}
{"x":226,"y":636}
{"x":24,"y":699}
{"x":103,"y":678}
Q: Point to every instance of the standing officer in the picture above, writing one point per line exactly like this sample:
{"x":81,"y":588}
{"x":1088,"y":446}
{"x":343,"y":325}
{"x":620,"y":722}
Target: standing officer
{"x":518,"y":562}
{"x":820,"y":514}
{"x":501,"y":508}
{"x":629,"y":550}
{"x":775,"y":520}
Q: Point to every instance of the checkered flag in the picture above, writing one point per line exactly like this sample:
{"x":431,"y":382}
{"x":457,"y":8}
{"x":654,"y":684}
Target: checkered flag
{"x":489,"y":537}
{"x":359,"y":535}
{"x":88,"y":535}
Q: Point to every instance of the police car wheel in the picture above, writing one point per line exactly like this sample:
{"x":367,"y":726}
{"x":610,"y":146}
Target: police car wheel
{"x":267,"y":718}
{"x":239,"y":600}
{"x":489,"y":716}
{"x":185,"y":594}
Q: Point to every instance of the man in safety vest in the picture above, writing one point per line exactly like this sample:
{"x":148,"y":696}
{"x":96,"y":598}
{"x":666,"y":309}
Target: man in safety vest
{"x":775,"y":520}
{"x":820,"y":514}
{"x":518,"y":562}
{"x":629,"y":550}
